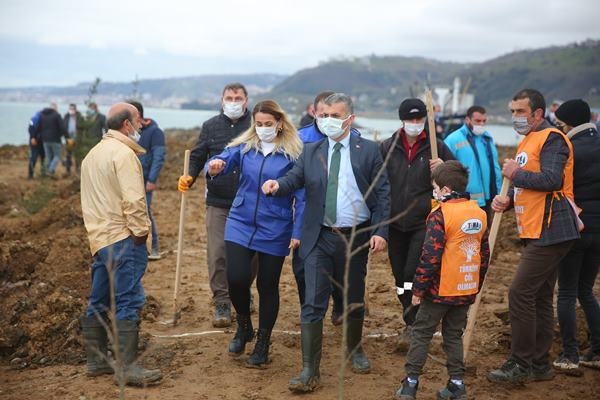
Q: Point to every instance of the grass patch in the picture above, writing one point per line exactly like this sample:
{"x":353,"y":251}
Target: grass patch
{"x":39,"y":199}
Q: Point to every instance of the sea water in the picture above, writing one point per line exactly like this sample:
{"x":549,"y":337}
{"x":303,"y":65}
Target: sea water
{"x":14,"y":120}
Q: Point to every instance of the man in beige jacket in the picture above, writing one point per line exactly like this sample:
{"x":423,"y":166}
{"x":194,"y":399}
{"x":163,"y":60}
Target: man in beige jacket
{"x":113,"y":204}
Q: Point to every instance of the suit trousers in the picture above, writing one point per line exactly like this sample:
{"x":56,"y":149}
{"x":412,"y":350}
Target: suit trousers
{"x":325,"y":265}
{"x":530,"y":302}
{"x":298,"y":268}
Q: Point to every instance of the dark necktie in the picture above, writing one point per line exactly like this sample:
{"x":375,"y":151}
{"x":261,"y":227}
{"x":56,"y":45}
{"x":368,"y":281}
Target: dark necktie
{"x":332,"y":185}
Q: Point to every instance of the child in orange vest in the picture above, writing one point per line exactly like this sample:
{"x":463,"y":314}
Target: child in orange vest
{"x":452,"y":266}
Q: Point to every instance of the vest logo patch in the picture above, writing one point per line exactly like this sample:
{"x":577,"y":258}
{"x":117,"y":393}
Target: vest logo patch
{"x":472,"y":226}
{"x":522,"y":158}
{"x":470,"y":247}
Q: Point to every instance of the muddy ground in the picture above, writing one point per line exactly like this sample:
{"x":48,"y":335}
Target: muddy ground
{"x":44,"y":283}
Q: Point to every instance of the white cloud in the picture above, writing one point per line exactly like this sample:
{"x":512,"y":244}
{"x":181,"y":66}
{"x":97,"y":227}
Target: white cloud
{"x":290,"y":35}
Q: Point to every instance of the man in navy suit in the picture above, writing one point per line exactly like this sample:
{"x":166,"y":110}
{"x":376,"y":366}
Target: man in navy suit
{"x":347,"y":198}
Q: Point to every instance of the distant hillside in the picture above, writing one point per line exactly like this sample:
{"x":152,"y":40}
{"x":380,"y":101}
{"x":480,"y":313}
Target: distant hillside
{"x":171,"y":92}
{"x":558,"y":72}
{"x":379,"y":83}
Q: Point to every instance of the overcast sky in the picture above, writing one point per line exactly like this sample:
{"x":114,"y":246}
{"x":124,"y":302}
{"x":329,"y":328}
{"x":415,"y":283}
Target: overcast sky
{"x":62,"y":42}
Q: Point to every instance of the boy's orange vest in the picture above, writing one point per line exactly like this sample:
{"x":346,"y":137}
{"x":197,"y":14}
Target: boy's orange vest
{"x":464,"y":225}
{"x":530,"y":204}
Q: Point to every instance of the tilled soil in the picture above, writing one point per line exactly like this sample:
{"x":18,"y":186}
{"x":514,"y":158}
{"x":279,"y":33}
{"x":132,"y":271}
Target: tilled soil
{"x":44,"y":283}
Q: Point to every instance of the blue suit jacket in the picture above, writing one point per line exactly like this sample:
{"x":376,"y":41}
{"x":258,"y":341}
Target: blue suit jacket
{"x":310,"y":171}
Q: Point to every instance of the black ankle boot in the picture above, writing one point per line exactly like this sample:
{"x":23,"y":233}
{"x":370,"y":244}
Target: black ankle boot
{"x":260,"y":355}
{"x":243,"y":335}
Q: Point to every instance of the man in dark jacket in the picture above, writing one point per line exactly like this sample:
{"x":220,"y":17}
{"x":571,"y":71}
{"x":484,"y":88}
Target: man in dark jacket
{"x":409,"y":169}
{"x":73,"y":122}
{"x":216,"y":133}
{"x":96,"y":122}
{"x":36,"y":146}
{"x":51,"y":129}
{"x":152,"y":139}
{"x":578,"y":270}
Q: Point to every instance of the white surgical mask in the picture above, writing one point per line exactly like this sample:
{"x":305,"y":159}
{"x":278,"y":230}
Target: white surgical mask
{"x":520,"y":125}
{"x":266,"y":133}
{"x":332,"y":127}
{"x":439,"y":196}
{"x":135,"y":135}
{"x":233,"y":110}
{"x":413,"y":129}
{"x":478,"y":130}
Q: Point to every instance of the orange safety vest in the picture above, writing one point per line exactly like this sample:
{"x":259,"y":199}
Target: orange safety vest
{"x":530,"y":204}
{"x":464,"y":226}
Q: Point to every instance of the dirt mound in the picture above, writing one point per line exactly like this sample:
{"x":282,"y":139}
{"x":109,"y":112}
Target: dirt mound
{"x":44,"y":284}
{"x":44,"y":264}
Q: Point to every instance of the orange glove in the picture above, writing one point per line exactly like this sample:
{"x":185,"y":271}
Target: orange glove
{"x":184,"y":183}
{"x":33,"y":141}
{"x":70,"y":143}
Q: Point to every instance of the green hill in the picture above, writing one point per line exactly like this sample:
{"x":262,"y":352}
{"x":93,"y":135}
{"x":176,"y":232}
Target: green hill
{"x":378,"y":84}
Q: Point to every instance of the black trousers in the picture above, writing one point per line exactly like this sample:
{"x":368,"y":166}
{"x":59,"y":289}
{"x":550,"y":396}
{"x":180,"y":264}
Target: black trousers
{"x":576,"y":277}
{"x":404,"y":251}
{"x":239,"y":277}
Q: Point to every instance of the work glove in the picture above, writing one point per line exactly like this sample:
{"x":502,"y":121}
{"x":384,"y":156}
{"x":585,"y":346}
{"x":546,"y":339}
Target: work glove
{"x":184,"y":183}
{"x":70,"y":143}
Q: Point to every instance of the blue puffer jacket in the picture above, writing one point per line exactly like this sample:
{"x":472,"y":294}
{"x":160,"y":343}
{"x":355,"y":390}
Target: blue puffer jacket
{"x":480,"y":172}
{"x":153,"y":141}
{"x":258,"y":222}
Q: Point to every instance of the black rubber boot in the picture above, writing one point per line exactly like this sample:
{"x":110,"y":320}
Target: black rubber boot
{"x":360,"y":362}
{"x":260,"y":356}
{"x":95,"y":337}
{"x":131,"y":372}
{"x":243,"y":335}
{"x":310,"y":377}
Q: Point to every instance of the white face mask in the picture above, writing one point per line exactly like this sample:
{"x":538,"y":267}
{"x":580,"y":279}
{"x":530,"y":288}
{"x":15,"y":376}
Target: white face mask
{"x":332,"y":127}
{"x":266,"y":133}
{"x":478,"y":130}
{"x":135,"y":135}
{"x":521,"y":125}
{"x":413,"y":129}
{"x":233,"y":110}
{"x":438,"y":196}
